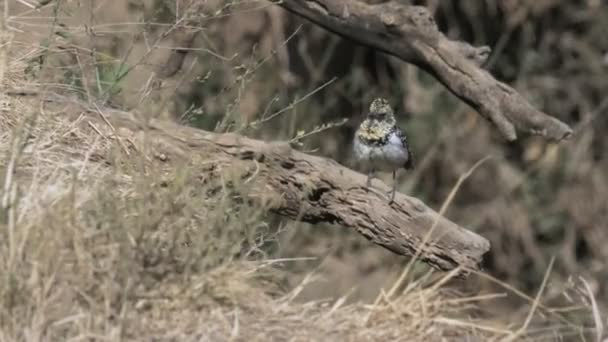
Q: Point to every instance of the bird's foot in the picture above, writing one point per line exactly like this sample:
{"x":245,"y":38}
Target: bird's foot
{"x":392,"y":196}
{"x":368,"y":182}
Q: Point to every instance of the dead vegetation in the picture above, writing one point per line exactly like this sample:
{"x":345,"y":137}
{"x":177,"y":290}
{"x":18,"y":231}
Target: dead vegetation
{"x":96,"y":244}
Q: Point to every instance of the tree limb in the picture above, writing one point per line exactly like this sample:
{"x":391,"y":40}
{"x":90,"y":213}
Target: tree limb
{"x":410,"y":33}
{"x":310,"y":188}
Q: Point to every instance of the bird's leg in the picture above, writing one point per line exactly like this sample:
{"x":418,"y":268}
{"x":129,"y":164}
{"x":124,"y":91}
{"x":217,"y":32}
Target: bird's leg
{"x":370,"y":175}
{"x":394,"y":187}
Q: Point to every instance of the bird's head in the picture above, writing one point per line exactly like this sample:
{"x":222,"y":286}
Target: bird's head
{"x":380,"y":115}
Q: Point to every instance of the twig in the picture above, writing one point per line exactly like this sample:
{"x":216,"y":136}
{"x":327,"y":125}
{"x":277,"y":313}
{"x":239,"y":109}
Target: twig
{"x":535,"y":304}
{"x":124,"y":147}
{"x":597,"y":317}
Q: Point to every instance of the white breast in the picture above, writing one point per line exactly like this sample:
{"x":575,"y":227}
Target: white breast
{"x":389,"y":157}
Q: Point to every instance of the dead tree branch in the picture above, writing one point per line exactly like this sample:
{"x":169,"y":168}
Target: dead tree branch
{"x":410,"y":33}
{"x":306,"y":187}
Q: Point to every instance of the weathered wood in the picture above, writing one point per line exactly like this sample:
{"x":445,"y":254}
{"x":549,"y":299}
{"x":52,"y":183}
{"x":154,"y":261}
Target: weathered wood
{"x":410,"y":33}
{"x":308,"y":188}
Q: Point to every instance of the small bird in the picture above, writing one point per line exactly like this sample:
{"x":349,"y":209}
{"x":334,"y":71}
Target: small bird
{"x":380,"y":145}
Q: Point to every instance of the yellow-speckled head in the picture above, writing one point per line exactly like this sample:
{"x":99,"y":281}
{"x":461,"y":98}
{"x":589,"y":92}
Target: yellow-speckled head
{"x":380,"y":106}
{"x":380,"y":120}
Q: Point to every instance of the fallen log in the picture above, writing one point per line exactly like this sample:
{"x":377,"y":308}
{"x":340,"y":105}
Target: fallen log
{"x":304,"y":187}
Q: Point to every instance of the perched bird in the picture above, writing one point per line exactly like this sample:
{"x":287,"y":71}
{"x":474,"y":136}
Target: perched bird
{"x":380,"y":145}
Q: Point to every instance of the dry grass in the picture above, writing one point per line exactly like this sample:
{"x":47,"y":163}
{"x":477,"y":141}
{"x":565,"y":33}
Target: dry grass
{"x":95,"y":245}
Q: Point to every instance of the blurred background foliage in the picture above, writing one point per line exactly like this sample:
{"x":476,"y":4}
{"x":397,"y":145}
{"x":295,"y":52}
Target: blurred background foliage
{"x":252,"y":68}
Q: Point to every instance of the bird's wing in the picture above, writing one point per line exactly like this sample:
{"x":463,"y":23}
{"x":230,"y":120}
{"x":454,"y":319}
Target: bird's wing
{"x":410,"y":156}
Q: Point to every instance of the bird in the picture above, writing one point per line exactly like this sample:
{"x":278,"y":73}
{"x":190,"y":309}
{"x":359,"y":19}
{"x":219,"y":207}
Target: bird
{"x":380,"y":145}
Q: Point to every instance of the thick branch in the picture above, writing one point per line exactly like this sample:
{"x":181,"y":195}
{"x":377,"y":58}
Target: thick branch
{"x":410,"y":33}
{"x":311,"y":188}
